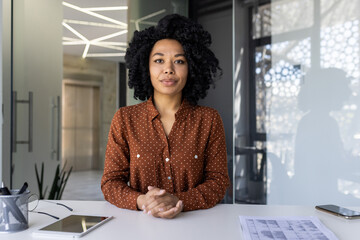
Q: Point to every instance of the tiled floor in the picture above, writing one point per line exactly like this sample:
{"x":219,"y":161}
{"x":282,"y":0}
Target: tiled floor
{"x":84,"y":185}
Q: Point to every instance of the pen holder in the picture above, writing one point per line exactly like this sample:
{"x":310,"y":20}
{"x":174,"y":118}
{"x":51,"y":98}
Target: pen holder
{"x":14,"y":211}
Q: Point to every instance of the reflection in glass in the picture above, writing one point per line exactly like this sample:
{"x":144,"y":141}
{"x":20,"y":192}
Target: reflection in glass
{"x":314,"y":150}
{"x":294,"y":15}
{"x":319,"y":151}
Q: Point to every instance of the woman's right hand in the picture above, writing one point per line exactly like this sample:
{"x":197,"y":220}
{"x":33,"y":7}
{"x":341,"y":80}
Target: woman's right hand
{"x":159,"y":203}
{"x":145,"y":199}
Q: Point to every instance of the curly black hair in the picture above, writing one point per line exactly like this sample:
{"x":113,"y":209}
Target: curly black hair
{"x":203,"y":66}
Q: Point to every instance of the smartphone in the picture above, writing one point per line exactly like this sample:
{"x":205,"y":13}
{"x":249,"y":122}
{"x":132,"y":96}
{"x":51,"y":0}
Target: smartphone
{"x":339,"y":211}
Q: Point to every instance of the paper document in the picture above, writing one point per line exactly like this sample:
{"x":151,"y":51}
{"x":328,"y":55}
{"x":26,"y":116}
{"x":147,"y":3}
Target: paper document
{"x":264,"y":228}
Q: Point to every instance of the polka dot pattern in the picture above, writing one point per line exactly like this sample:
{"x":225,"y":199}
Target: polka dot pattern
{"x":189,"y":163}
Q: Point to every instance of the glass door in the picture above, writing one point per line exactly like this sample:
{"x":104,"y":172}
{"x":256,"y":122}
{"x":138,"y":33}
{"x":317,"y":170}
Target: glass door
{"x":303,"y":104}
{"x":37,"y":75}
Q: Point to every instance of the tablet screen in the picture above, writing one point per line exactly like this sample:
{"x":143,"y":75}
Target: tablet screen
{"x":75,"y":224}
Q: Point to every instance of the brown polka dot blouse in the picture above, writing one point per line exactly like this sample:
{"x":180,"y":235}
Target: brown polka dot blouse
{"x":190,"y":163}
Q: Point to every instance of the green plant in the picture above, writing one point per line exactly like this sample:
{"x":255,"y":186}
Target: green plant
{"x":40,"y":181}
{"x":58,"y":185}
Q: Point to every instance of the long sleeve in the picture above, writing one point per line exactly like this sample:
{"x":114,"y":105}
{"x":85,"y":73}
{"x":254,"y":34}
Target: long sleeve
{"x":114,"y":183}
{"x":216,"y":178}
{"x":189,"y":163}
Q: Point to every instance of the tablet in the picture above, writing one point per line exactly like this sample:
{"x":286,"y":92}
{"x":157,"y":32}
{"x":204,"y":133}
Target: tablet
{"x":73,"y":226}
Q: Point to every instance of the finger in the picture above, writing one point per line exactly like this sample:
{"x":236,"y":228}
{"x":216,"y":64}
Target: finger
{"x":155,"y":211}
{"x":159,"y":209}
{"x":161,"y":192}
{"x":166,"y":198}
{"x":152,"y":202}
{"x":162,"y":207}
{"x":172,"y":212}
{"x":157,"y":202}
{"x":150,"y":198}
{"x":149,"y":205}
{"x":156,"y":199}
{"x":155,"y":191}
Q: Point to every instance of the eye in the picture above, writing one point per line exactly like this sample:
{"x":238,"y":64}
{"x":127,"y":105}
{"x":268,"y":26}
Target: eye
{"x":179,"y":61}
{"x":158,"y":61}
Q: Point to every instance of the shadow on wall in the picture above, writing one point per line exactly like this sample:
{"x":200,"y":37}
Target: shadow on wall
{"x":320,"y":157}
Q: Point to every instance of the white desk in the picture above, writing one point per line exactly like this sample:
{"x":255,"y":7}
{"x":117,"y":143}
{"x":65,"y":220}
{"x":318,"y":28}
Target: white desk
{"x":218,"y":223}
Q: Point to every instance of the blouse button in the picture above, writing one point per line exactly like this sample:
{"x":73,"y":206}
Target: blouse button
{"x":196,"y":156}
{"x":167,"y":159}
{"x":138,"y":155}
{"x":169,"y":178}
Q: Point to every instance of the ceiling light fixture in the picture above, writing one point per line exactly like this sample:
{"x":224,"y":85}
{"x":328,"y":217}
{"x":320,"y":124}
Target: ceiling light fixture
{"x":137,"y":21}
{"x":106,"y":55}
{"x":75,"y":32}
{"x":77,"y":42}
{"x":81,"y":37}
{"x":70,"y":39}
{"x":98,"y":9}
{"x":95,"y":24}
{"x":73,"y":43}
{"x":99,"y":44}
{"x":109,"y":46}
{"x":94,"y":14}
{"x":121,"y":46}
{"x":86,"y":50}
{"x":115,"y":43}
{"x":109,"y":36}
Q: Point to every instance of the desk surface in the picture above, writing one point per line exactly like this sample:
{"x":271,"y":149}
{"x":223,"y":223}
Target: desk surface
{"x":220,"y":222}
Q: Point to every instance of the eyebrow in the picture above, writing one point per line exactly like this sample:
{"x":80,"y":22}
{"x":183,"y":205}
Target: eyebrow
{"x":176,"y":55}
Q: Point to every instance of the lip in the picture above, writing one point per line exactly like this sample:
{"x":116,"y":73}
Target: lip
{"x":168,"y":82}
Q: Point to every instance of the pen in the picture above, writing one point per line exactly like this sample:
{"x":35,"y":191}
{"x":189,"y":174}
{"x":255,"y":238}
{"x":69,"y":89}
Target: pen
{"x":4,"y":190}
{"x":23,"y":188}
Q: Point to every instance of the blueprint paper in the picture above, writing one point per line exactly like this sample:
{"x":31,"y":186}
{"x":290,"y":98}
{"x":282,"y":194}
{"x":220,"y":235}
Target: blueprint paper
{"x":284,"y":228}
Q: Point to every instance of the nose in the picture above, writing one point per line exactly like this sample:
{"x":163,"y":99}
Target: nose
{"x":169,"y":69}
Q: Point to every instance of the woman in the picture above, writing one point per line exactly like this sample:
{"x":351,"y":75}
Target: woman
{"x":167,"y":154}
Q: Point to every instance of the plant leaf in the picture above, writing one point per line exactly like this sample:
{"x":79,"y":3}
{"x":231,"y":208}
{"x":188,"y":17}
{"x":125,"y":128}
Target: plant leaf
{"x":54,"y":186}
{"x":38,"y":180}
{"x":66,"y":179}
{"x":60,"y":185}
{"x":42,"y":179}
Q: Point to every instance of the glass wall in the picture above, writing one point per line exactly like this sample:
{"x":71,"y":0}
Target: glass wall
{"x":304,"y":102}
{"x":36,"y":86}
{"x":34,"y":69}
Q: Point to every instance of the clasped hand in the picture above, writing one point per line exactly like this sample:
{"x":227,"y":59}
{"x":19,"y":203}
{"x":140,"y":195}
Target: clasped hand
{"x":159,"y":203}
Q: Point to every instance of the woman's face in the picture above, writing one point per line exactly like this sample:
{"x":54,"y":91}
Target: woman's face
{"x":168,"y":67}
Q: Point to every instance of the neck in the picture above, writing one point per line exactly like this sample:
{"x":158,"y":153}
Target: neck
{"x":166,"y":104}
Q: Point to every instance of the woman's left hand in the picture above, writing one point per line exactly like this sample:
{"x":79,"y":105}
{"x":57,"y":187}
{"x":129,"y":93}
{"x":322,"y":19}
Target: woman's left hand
{"x":172,"y":212}
{"x":162,"y":204}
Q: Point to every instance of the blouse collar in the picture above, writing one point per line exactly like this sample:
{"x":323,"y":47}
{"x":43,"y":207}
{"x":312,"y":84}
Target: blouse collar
{"x":183,"y":111}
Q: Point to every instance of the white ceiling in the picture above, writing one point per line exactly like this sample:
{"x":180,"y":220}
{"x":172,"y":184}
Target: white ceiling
{"x":87,"y":30}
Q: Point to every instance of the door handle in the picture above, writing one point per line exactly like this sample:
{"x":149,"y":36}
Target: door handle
{"x":15,"y":101}
{"x":55,"y":142}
